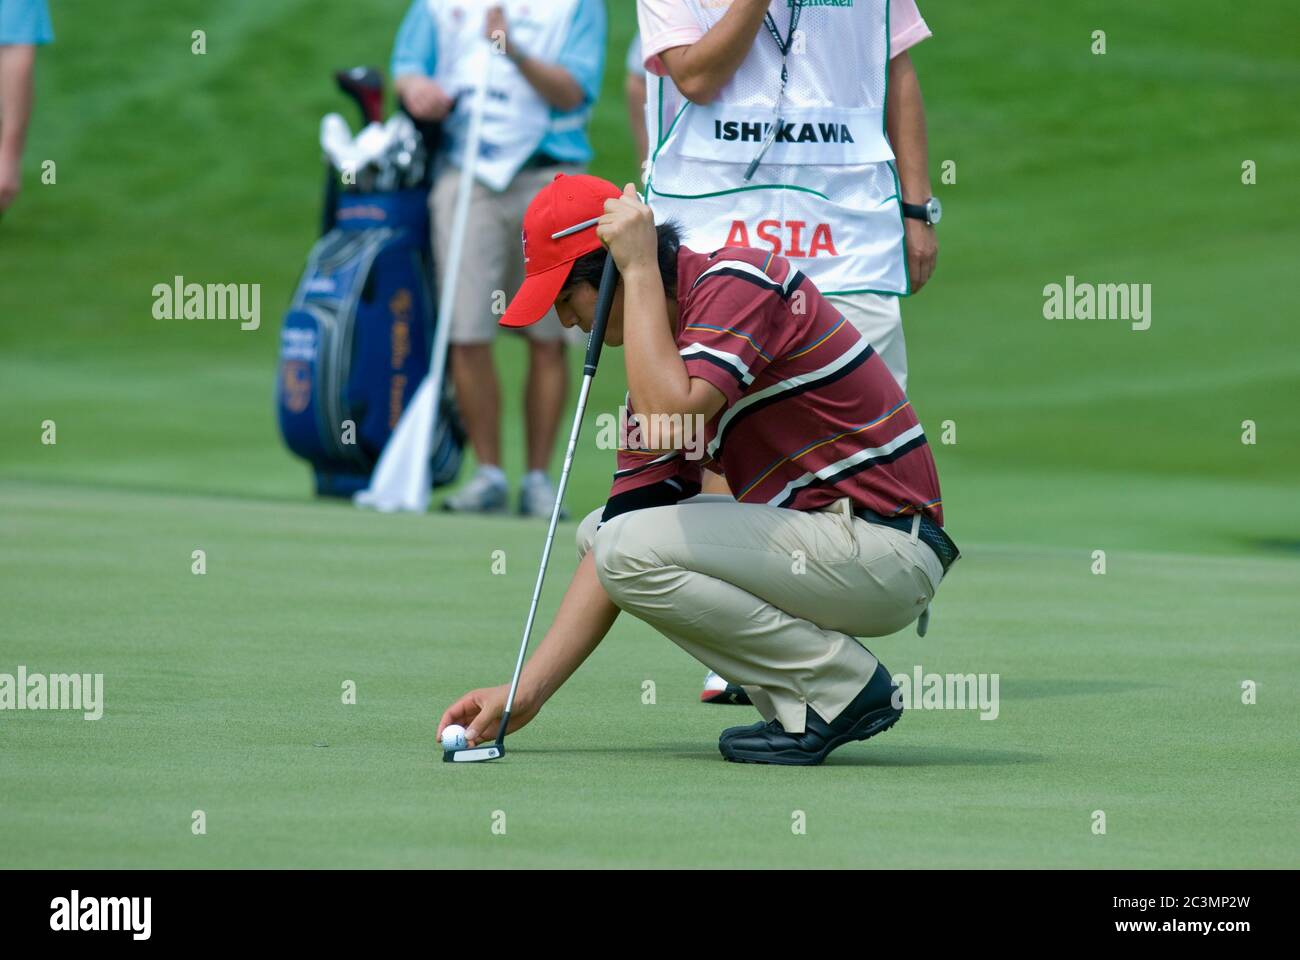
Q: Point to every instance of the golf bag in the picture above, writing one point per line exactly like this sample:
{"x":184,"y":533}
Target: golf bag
{"x":355,"y":342}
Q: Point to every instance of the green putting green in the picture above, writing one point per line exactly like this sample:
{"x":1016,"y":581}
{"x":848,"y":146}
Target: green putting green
{"x":223,"y":692}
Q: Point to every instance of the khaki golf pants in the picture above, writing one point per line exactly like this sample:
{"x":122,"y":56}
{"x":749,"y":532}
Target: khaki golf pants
{"x":769,"y":598}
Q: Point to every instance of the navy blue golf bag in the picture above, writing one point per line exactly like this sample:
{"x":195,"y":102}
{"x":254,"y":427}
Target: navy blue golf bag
{"x":355,"y":342}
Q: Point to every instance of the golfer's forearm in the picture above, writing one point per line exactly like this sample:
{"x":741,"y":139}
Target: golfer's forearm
{"x":656,"y":377}
{"x":586,"y":613}
{"x":701,"y":70}
{"x":16,"y":62}
{"x":553,"y":84}
{"x":905,"y":124}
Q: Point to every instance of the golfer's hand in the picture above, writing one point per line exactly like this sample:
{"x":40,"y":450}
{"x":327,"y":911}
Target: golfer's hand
{"x":425,"y":98}
{"x":627,"y":228}
{"x":10,"y":181}
{"x":922,"y":251}
{"x":497,"y":29}
{"x":479,"y":712}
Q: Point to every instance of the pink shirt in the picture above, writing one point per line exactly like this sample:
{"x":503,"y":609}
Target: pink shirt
{"x":667,"y":23}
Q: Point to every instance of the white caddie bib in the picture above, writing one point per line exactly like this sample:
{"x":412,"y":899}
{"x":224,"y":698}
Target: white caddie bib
{"x":515,"y":118}
{"x":825,"y":193}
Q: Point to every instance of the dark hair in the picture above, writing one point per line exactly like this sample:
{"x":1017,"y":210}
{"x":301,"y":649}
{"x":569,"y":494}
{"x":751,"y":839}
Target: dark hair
{"x":588,"y":267}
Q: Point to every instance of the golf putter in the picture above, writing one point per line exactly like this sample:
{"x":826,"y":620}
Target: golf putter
{"x":604,"y":300}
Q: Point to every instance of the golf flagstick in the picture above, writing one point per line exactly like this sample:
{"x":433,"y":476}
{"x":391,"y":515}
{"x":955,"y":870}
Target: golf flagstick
{"x":604,"y":300}
{"x":401,"y":477}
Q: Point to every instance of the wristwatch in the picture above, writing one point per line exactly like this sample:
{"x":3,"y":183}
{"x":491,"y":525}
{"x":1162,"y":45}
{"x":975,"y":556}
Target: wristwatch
{"x":931,"y":211}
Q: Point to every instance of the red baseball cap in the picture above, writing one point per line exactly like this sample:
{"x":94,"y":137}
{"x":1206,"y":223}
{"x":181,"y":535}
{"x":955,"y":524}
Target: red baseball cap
{"x":559,"y":227}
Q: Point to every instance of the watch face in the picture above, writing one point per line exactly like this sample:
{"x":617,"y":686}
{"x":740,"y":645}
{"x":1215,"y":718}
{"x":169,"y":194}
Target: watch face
{"x":935,"y":210}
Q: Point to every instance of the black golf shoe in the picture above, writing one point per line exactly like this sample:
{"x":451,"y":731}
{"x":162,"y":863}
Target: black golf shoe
{"x":737,"y":731}
{"x":871,"y":712}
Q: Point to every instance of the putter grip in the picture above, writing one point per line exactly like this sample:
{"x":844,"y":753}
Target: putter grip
{"x":604,"y":300}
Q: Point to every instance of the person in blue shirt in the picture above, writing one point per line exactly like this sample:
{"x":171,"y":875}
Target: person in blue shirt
{"x":24,"y":24}
{"x":542,"y":62}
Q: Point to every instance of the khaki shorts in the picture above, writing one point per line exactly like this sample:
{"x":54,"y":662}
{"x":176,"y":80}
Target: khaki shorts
{"x":492,"y":262}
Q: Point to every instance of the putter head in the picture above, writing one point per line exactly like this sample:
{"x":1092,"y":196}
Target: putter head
{"x":484,"y":751}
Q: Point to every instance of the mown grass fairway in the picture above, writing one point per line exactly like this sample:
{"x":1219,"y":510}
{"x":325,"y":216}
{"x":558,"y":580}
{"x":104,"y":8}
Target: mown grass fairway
{"x":223,"y":694}
{"x":1119,"y":693}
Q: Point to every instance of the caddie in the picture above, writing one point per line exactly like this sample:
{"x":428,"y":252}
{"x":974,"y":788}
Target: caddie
{"x":797,"y":126}
{"x":542,"y":62}
{"x":836,"y":529}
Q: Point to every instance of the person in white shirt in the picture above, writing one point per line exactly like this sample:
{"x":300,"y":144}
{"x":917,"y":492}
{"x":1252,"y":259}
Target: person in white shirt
{"x":544,"y":60}
{"x":796,"y":126}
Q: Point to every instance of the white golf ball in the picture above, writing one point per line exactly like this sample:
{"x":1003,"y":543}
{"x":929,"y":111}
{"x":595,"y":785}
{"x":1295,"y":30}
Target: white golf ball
{"x":453,"y":737}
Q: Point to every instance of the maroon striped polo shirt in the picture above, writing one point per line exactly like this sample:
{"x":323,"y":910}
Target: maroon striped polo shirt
{"x":812,"y":412}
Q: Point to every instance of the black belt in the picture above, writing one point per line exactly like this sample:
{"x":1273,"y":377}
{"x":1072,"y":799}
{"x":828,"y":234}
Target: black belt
{"x":931,"y":534}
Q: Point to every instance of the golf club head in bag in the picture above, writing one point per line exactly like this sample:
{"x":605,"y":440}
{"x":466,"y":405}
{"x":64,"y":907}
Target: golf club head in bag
{"x":335,"y":144}
{"x":430,"y":134}
{"x":365,"y":85}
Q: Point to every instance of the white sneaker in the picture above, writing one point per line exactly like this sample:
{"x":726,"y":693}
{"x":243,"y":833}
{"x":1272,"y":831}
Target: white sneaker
{"x":718,"y":690}
{"x":537,"y":496}
{"x":486,"y":492}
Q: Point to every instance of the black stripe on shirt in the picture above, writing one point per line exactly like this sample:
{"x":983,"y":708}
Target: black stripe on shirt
{"x":856,"y":468}
{"x":757,"y":405}
{"x":717,"y":362}
{"x":760,"y":282}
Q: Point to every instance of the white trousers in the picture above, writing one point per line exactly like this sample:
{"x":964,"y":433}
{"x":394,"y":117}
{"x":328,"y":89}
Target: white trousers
{"x":878,"y":319}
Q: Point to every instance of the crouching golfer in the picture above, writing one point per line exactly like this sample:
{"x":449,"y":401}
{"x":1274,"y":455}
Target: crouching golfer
{"x":835,"y":531}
